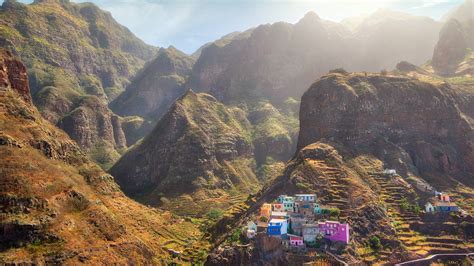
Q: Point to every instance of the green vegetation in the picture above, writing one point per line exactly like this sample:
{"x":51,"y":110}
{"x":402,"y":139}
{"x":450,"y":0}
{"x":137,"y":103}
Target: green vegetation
{"x":334,"y":212}
{"x":215,"y":214}
{"x":236,"y":236}
{"x":374,"y":243}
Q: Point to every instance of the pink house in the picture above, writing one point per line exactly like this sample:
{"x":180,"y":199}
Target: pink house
{"x":296,"y":241}
{"x":334,"y":231}
{"x":444,"y":197}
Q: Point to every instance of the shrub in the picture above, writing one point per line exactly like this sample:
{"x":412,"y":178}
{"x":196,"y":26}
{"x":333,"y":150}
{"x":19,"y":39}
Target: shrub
{"x":334,"y":212}
{"x":404,"y":205}
{"x":384,"y":72}
{"x":235,"y":237}
{"x":374,"y":242}
{"x":215,"y":214}
{"x":416,"y":208}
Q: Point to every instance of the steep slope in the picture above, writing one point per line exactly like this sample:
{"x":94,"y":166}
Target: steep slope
{"x":13,"y":75}
{"x":281,"y":60}
{"x":60,"y":208}
{"x":198,"y":153}
{"x":74,"y":51}
{"x":154,"y":89}
{"x":455,"y":42}
{"x":156,"y":86}
{"x":65,"y":45}
{"x":413,"y":126}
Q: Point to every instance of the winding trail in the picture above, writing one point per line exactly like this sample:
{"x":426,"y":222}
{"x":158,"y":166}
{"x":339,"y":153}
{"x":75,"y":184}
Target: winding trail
{"x":436,"y":255}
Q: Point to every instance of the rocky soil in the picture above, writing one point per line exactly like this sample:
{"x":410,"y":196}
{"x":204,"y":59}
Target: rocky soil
{"x":58,"y":207}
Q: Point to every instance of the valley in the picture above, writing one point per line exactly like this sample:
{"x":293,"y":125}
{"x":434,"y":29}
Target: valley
{"x":114,"y":151}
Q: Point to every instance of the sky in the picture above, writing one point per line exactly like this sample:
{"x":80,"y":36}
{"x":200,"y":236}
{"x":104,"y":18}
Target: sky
{"x":188,"y":24}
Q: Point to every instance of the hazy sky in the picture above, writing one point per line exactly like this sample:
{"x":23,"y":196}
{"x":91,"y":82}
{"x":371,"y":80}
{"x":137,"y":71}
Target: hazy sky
{"x":187,"y":24}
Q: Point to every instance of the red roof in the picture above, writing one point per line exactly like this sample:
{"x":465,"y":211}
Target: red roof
{"x":295,"y":237}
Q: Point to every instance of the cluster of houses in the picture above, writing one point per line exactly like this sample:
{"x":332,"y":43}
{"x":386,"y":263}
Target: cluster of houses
{"x":299,"y":221}
{"x":441,"y":202}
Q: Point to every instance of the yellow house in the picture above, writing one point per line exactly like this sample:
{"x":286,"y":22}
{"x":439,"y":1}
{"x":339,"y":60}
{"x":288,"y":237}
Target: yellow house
{"x":266,"y":210}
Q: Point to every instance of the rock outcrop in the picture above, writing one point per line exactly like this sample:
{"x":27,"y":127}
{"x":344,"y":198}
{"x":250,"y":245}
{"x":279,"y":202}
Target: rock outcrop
{"x":13,"y":75}
{"x":199,"y":147}
{"x":413,"y":126}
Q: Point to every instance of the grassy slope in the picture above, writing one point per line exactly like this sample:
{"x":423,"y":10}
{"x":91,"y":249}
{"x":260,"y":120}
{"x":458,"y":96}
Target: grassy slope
{"x":97,"y":225}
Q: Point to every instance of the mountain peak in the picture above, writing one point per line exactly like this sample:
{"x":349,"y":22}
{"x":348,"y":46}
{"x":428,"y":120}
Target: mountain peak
{"x":310,"y":17}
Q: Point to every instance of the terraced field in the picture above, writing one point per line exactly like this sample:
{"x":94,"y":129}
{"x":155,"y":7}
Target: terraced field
{"x":336,"y":186}
{"x":422,"y":245}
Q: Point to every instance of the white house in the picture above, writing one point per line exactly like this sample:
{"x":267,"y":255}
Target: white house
{"x":252,"y":226}
{"x":429,"y":208}
{"x":390,"y":172}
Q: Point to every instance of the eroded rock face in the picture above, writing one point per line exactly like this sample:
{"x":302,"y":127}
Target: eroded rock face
{"x":194,"y":146}
{"x":396,"y":118}
{"x":451,"y":48}
{"x":92,"y":122}
{"x":157,"y":86}
{"x":13,"y":75}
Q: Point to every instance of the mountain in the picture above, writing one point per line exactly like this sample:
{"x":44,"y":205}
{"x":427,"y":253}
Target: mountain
{"x":281,"y":60}
{"x":456,"y":42}
{"x":156,"y":86}
{"x":79,"y":58}
{"x":58,"y":207}
{"x":387,"y":37}
{"x":197,"y":154}
{"x":413,"y":126}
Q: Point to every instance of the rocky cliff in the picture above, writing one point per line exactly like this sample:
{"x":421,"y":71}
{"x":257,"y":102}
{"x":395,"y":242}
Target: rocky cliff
{"x":58,"y":207}
{"x":13,"y":75}
{"x":199,"y":151}
{"x":415,"y":127}
{"x":158,"y":85}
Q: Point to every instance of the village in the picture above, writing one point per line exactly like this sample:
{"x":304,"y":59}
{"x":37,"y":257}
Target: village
{"x":299,"y":221}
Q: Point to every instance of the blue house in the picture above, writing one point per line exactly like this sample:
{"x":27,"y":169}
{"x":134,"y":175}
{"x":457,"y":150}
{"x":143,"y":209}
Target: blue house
{"x":277,"y":227}
{"x":446,"y":206}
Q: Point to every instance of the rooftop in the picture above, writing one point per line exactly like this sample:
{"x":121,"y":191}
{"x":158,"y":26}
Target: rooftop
{"x":277,"y":220}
